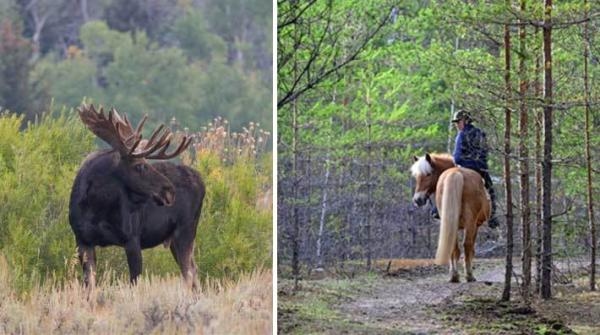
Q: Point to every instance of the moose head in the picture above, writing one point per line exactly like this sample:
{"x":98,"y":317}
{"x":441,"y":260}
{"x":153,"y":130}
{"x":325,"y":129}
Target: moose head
{"x":130,"y":166}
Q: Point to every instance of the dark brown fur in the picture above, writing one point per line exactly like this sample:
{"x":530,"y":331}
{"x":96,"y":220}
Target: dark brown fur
{"x":114,"y":201}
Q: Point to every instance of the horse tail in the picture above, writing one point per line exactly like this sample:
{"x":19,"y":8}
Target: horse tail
{"x":449,"y":215}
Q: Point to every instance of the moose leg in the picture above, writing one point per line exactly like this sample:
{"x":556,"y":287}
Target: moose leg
{"x":184,"y":255}
{"x":87,"y":258}
{"x":454,"y":278}
{"x":470,"y":236}
{"x":134,"y":259}
{"x":189,"y":267}
{"x":194,"y":272}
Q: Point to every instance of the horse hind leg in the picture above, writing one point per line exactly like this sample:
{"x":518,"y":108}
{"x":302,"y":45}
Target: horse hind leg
{"x":454,"y":277}
{"x":470,"y":237}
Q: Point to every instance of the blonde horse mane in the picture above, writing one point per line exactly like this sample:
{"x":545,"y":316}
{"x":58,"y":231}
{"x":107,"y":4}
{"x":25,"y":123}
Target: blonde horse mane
{"x":422,"y":166}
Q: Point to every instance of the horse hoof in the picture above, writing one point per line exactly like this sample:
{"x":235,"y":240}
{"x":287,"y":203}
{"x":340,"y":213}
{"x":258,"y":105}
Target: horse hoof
{"x":454,"y":279}
{"x":471,"y":279}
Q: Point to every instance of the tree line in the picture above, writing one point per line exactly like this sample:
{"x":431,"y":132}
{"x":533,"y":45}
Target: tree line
{"x":525,"y":69}
{"x":192,"y":60}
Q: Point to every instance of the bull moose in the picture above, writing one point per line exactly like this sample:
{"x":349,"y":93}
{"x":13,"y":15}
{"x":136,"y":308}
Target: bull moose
{"x":119,"y":199}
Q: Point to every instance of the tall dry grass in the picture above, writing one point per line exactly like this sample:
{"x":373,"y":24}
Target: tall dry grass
{"x":156,"y":305}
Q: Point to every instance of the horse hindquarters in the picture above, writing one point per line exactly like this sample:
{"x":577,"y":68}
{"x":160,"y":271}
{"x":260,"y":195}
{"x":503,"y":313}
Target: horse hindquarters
{"x":450,"y":210}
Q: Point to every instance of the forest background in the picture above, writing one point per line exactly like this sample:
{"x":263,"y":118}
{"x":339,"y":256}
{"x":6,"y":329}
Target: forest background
{"x":363,"y":86}
{"x":193,"y":60}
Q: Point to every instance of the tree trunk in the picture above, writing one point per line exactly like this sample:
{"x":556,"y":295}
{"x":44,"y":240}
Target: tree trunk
{"x":84,"y":10}
{"x":369,"y":190}
{"x":452,"y":108}
{"x":306,"y":194}
{"x":322,"y":218}
{"x":507,"y":178}
{"x":39,"y":23}
{"x":546,"y":289}
{"x":295,"y":183}
{"x":524,"y":166}
{"x":588,"y":160}
{"x":295,"y":211}
{"x":538,"y":176}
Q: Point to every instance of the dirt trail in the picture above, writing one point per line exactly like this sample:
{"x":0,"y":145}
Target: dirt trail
{"x":415,"y":297}
{"x":408,"y":302}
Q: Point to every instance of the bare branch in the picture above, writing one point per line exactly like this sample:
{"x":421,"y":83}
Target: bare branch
{"x":324,"y":72}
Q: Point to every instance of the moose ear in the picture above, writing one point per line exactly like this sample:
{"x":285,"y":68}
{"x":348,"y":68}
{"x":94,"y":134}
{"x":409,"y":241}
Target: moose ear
{"x":415,"y":158}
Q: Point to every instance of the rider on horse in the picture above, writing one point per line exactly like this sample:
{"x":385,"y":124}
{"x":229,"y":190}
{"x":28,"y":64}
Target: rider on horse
{"x":470,"y":151}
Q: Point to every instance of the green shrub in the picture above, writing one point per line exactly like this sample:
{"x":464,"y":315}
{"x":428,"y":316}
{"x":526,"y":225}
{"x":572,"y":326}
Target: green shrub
{"x":234,"y":233}
{"x":40,"y":163}
{"x":37,"y":169}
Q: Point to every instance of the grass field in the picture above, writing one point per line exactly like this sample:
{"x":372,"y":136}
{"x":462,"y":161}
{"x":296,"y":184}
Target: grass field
{"x":156,"y":305}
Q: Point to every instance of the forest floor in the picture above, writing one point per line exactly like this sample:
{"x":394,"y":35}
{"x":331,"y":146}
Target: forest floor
{"x":415,"y":297}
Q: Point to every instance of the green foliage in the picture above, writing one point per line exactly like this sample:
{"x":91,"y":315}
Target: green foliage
{"x":139,"y":15}
{"x":37,"y":169}
{"x":225,"y":91}
{"x":35,"y":236}
{"x":164,"y":58}
{"x":9,"y":128}
{"x":138,"y":76}
{"x":193,"y":36}
{"x":100,"y":42}
{"x":143,"y":77}
{"x":70,"y":78}
{"x":8,"y":10}
{"x":248,"y":24}
{"x":234,"y":233}
{"x":14,"y":67}
{"x":396,"y":98}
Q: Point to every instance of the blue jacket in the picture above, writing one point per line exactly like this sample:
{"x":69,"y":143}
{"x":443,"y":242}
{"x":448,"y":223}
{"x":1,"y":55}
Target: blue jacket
{"x":470,"y":150}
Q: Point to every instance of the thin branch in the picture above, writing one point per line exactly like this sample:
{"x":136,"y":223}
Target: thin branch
{"x":294,"y":94}
{"x":295,"y":18}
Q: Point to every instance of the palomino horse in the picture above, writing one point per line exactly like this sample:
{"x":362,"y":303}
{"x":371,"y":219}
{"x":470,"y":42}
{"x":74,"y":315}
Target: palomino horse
{"x":462,"y":202}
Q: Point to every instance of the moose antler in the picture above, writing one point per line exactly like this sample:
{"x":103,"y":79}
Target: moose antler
{"x":118,"y":132}
{"x":157,"y":142}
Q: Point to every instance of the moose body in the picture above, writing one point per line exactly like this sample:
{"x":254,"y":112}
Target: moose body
{"x":175,"y":226}
{"x":119,"y":199}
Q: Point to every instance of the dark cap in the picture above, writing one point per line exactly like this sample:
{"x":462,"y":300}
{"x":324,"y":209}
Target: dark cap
{"x":461,"y":115}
